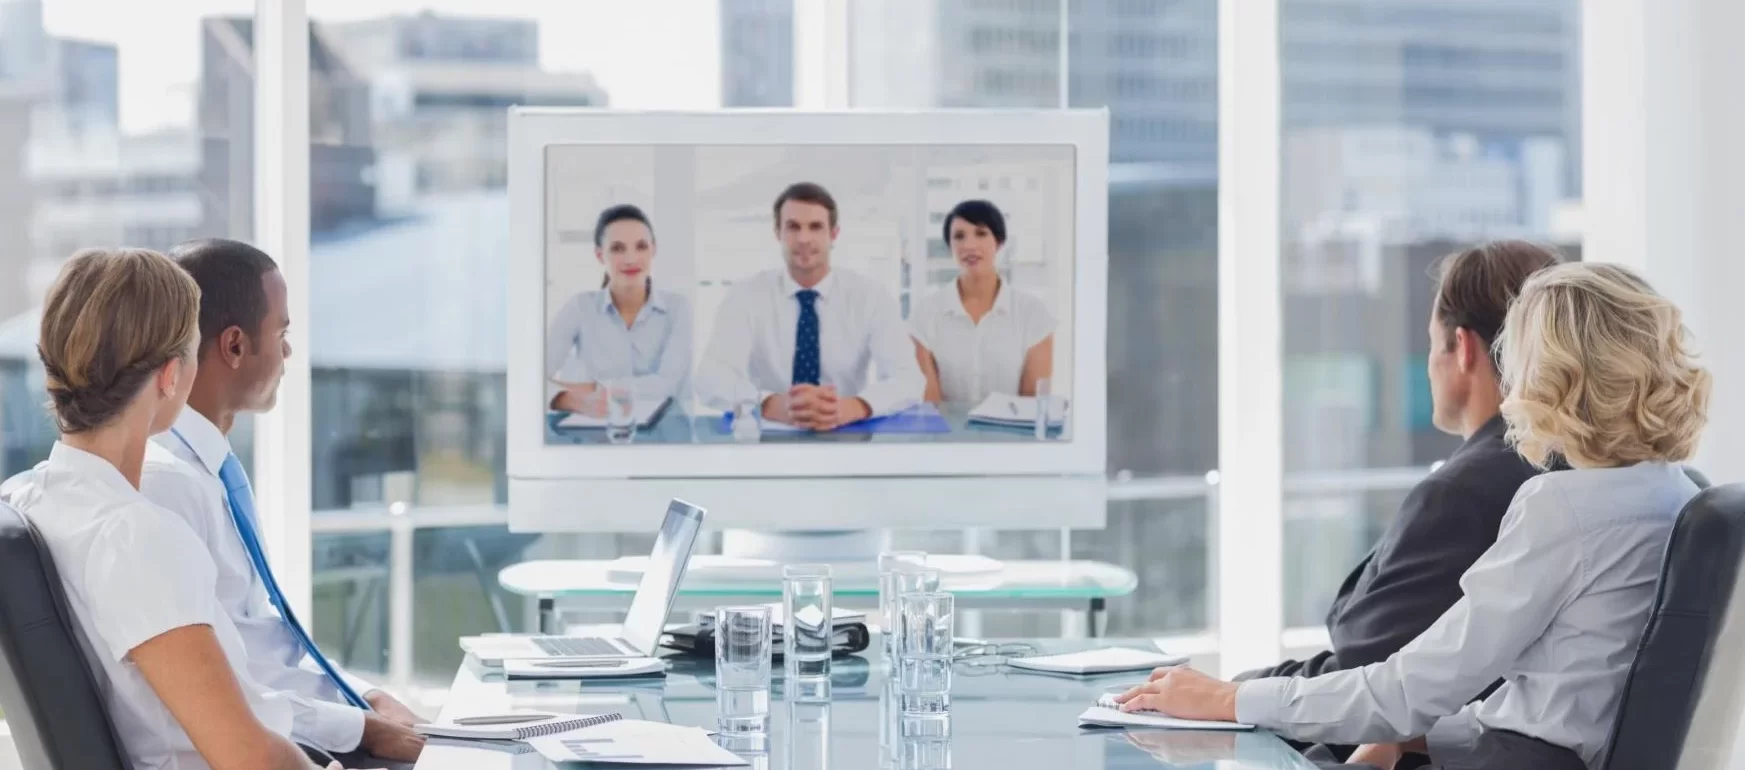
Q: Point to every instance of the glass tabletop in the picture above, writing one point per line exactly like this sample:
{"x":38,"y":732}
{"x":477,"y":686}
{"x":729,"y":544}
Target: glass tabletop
{"x":1016,"y":580}
{"x":675,"y":426}
{"x":1000,"y":719}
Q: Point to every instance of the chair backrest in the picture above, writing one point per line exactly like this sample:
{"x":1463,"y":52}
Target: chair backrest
{"x":50,"y":696}
{"x":1696,"y":585}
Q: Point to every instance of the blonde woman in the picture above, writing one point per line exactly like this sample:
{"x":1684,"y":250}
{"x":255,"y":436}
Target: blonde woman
{"x":1596,"y":369}
{"x":118,"y":338}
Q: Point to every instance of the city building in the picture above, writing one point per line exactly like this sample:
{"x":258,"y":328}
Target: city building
{"x":439,"y":92}
{"x":342,"y":155}
{"x":757,"y":53}
{"x":50,"y":89}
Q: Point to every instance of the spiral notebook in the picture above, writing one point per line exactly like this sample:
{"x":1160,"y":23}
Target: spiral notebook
{"x":513,"y":726}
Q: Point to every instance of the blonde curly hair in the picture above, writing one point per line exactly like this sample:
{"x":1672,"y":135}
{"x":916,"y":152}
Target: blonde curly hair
{"x":1597,"y":368}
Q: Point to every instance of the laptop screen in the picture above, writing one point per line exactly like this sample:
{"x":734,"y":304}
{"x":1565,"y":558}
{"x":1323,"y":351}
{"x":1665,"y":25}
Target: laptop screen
{"x":660,"y":579}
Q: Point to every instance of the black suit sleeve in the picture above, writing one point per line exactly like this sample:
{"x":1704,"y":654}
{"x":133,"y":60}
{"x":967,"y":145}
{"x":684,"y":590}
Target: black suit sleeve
{"x":1442,"y":530}
{"x":1322,"y":663}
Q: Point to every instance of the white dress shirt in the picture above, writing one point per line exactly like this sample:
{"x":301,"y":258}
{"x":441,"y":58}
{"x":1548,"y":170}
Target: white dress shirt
{"x":183,"y":478}
{"x":588,"y":342}
{"x":976,"y":359}
{"x":751,"y":355}
{"x":133,"y":571}
{"x":1554,"y":609}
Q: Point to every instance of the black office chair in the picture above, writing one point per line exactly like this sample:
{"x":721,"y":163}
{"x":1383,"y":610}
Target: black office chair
{"x":50,"y":696}
{"x":1696,"y":585}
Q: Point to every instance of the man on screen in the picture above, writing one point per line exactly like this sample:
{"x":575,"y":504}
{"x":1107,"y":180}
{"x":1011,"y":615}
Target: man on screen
{"x":801,"y":341}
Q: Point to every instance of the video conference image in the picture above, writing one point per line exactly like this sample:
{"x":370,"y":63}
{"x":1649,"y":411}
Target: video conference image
{"x":701,"y":294}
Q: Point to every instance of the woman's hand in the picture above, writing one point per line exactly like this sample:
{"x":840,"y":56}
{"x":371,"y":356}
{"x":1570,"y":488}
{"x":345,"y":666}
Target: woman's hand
{"x":586,"y":398}
{"x":1183,"y":693}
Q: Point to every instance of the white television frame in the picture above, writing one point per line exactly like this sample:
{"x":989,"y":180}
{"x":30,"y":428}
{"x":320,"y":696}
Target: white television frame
{"x":532,"y":130}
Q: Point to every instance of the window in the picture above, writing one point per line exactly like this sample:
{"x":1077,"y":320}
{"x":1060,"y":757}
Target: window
{"x":409,"y":233}
{"x":89,"y":159}
{"x":1445,"y":127}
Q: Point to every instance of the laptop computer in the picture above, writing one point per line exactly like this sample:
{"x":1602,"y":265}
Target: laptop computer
{"x":640,"y":637}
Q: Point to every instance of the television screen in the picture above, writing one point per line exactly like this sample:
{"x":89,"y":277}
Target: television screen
{"x":739,"y":293}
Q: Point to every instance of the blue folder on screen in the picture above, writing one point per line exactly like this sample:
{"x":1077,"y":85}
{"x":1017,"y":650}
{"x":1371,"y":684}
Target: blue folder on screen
{"x":921,"y":418}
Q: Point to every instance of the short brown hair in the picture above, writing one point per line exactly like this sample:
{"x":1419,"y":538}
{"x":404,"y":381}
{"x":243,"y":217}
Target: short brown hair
{"x":111,"y":320}
{"x":805,"y":192}
{"x":1474,"y":287}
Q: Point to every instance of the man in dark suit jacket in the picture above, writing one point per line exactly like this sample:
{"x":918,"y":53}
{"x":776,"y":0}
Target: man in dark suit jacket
{"x":1412,"y":575}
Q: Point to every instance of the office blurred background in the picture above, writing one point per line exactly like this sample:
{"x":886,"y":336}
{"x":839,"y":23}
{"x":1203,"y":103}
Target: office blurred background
{"x":1411,"y":127}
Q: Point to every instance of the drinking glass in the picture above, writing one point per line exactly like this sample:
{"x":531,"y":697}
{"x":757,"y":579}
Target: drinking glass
{"x":924,"y":753}
{"x":620,"y":412}
{"x":808,"y":735}
{"x":889,"y":561}
{"x":890,"y":721}
{"x":1044,"y":406}
{"x":746,"y":427}
{"x":806,"y":630}
{"x":924,"y":662}
{"x":742,"y":668}
{"x":751,"y":747}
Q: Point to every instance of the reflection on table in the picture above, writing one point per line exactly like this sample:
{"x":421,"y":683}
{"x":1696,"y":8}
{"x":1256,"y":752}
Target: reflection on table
{"x":675,"y":426}
{"x":1000,"y":720}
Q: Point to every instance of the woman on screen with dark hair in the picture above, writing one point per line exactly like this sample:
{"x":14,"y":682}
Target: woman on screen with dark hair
{"x":979,"y":336}
{"x":625,"y":331}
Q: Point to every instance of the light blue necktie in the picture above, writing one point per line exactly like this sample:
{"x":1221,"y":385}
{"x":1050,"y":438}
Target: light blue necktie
{"x":242,"y":513}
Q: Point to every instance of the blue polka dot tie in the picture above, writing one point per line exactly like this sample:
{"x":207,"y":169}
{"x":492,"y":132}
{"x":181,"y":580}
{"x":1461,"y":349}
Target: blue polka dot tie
{"x":806,"y":366}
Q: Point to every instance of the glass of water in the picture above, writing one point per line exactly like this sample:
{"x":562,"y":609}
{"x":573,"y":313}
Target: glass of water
{"x":620,"y":412}
{"x":808,"y":735}
{"x":889,"y":563}
{"x":925,"y":753}
{"x":746,"y":425}
{"x":1044,"y":406}
{"x":742,"y":669}
{"x":806,"y":631}
{"x":924,"y":663}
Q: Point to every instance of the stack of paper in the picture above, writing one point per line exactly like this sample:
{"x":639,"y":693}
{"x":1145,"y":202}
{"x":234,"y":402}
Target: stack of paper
{"x":1105,"y":661}
{"x":582,"y":668}
{"x":1015,"y":411}
{"x":646,"y":412}
{"x":1102,"y":716}
{"x":635,"y":742}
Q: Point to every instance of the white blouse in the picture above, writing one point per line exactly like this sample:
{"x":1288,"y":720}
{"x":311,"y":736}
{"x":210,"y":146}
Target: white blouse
{"x":132,"y":572}
{"x":977,"y":359}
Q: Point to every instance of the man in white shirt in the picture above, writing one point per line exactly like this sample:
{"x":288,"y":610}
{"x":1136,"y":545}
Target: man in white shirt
{"x":801,"y":341}
{"x":191,"y":471}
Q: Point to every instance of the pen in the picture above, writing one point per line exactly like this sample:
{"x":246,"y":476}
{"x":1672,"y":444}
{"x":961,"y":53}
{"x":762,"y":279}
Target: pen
{"x":506,"y":719}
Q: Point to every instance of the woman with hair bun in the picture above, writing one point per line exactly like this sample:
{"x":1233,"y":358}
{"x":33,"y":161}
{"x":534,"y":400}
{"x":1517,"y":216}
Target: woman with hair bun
{"x":118,"y":340}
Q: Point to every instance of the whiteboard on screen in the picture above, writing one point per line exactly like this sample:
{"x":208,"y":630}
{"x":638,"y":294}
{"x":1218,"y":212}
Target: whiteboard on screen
{"x":807,"y":294}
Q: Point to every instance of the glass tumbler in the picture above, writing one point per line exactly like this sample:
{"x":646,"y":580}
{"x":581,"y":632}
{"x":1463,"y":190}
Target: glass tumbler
{"x":889,"y":563}
{"x":807,"y":629}
{"x":742,"y":669}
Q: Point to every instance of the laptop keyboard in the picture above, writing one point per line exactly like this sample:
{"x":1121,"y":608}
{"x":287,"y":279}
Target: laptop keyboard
{"x":577,"y":646}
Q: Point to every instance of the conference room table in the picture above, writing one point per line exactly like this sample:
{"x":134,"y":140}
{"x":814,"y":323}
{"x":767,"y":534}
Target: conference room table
{"x":594,"y":584}
{"x":1000,"y":719}
{"x":674,"y":426}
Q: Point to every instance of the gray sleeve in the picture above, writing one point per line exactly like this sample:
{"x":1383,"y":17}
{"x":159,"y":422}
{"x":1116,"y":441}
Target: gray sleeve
{"x":1511,"y":594}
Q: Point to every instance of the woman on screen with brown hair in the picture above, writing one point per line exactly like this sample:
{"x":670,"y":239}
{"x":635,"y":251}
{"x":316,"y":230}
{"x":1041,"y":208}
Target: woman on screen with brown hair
{"x":627,"y":331}
{"x":979,"y":336}
{"x":118,"y":339}
{"x":1596,"y":368}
